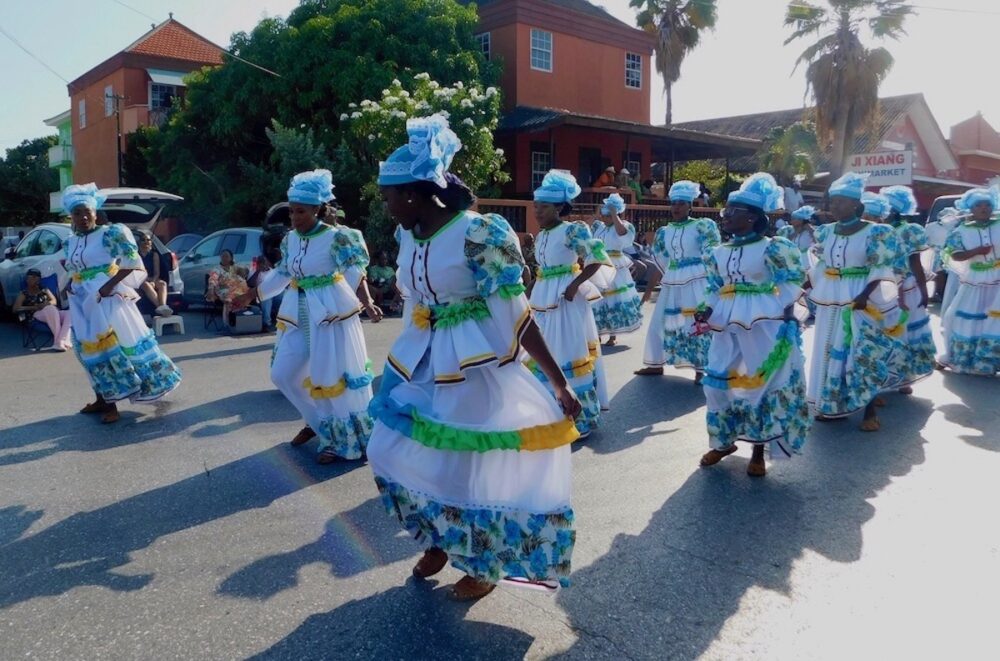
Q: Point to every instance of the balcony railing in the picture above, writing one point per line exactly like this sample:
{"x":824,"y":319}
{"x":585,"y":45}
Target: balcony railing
{"x":60,"y":156}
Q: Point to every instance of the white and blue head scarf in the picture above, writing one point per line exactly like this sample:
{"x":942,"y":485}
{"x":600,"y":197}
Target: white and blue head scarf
{"x":558,"y":187}
{"x":804,"y":213}
{"x":313,"y":188}
{"x":973,"y":197}
{"x":85,"y":194}
{"x":901,"y":199}
{"x":613,"y":203}
{"x":684,"y":191}
{"x":851,"y":184}
{"x":426,"y":157}
{"x":876,"y":205}
{"x":761,"y":191}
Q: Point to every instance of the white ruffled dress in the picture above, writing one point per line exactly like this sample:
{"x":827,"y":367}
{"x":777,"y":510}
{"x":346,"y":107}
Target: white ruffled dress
{"x":469,"y":450}
{"x":568,"y":327}
{"x":116,"y":348}
{"x":971,"y":319}
{"x":320,"y":360}
{"x":620,"y":309}
{"x":856,"y":353}
{"x":919,"y":339}
{"x":681,"y":251}
{"x":754,"y":382}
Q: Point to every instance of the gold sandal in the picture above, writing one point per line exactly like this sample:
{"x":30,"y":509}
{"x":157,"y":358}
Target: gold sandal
{"x":712,"y":457}
{"x":470,"y":589}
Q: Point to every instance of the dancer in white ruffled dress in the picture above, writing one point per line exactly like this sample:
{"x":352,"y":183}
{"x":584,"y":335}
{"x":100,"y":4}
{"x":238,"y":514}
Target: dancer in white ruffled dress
{"x":620,"y":309}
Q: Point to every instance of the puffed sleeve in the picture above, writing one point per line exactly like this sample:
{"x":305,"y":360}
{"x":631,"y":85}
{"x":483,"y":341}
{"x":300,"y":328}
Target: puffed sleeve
{"x":350,"y":254}
{"x":708,"y":233}
{"x":661,"y":253}
{"x":882,"y":253}
{"x":629,"y":237}
{"x":784,"y":260}
{"x":273,"y":282}
{"x":121,"y":245}
{"x":582,"y":242}
{"x":714,"y":281}
{"x":786,"y":232}
{"x":955,"y":243}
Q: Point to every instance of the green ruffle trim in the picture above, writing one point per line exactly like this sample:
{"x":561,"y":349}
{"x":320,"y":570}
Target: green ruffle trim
{"x":508,"y":292}
{"x":442,"y":437}
{"x":853,"y":272}
{"x":453,"y":314}
{"x":620,"y":290}
{"x":546,"y":272}
{"x":600,"y":253}
{"x":984,"y":266}
{"x":315,"y":282}
{"x":750,"y":288}
{"x":93,"y":272}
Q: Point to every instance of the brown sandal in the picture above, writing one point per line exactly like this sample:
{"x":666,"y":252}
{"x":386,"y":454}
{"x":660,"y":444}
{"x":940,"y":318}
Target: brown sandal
{"x":712,"y":457}
{"x":871,"y":424}
{"x":99,"y":406}
{"x":906,"y":390}
{"x":470,"y":589}
{"x":327,"y":456}
{"x":756,"y":468}
{"x":110,"y":415}
{"x":433,"y":561}
{"x":304,"y":436}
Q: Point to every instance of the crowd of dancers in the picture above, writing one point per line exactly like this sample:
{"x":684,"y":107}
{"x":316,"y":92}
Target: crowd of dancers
{"x":497,"y":370}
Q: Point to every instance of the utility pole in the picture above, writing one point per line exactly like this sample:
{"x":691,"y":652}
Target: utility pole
{"x":118,"y":98}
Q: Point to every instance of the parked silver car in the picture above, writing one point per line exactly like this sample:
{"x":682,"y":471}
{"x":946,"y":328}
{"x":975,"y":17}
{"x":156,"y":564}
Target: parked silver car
{"x":42,"y":247}
{"x":243,"y":242}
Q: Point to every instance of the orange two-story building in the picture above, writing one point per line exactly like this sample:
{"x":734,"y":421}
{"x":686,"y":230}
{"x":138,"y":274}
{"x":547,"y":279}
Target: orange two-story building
{"x":135,"y":87}
{"x":576,"y":90}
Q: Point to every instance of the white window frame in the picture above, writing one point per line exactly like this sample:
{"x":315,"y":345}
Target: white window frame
{"x":81,"y":113}
{"x":150,"y":95}
{"x":541,"y":47}
{"x":109,"y":101}
{"x":633,"y":64}
{"x":485,"y":44}
{"x":538,"y":174}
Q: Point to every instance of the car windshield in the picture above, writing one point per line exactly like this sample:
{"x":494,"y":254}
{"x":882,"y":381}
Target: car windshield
{"x":132,"y":212}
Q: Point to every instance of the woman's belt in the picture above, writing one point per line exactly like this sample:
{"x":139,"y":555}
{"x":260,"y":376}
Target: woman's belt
{"x":449,"y":315}
{"x":94,"y":271}
{"x":734,"y":288}
{"x":546,"y":272}
{"x":848,"y":272}
{"x":675,"y":264}
{"x":315,"y":281}
{"x":984,"y":266}
{"x":615,"y":253}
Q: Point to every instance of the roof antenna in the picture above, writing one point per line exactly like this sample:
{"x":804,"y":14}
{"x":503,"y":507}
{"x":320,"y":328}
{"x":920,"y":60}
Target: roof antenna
{"x":171,"y":15}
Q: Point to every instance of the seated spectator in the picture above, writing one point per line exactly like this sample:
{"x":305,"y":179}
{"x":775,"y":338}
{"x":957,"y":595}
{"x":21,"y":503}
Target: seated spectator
{"x":227,"y":283}
{"x":382,"y":280}
{"x":607,"y":178}
{"x":155,"y":287}
{"x":268,"y":307}
{"x":38,"y":303}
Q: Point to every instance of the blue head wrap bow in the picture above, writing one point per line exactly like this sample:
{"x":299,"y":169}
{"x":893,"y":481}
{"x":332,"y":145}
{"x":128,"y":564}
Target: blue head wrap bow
{"x":805,"y":213}
{"x":973,"y":197}
{"x":426,"y":157}
{"x":684,"y":191}
{"x":760,"y":190}
{"x":851,"y":184}
{"x":901,"y":199}
{"x":613,"y":203}
{"x":85,"y":194}
{"x":312,"y":188}
{"x":876,"y":204}
{"x":558,"y":187}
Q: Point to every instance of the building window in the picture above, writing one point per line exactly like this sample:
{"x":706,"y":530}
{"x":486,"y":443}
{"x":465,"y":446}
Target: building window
{"x":541,"y":50}
{"x":633,"y":71}
{"x":109,"y":101}
{"x":541,"y":163}
{"x":484,"y":44}
{"x":81,"y":113}
{"x":161,"y":96}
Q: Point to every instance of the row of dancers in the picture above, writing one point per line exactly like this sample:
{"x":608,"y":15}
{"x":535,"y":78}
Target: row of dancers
{"x":489,"y":382}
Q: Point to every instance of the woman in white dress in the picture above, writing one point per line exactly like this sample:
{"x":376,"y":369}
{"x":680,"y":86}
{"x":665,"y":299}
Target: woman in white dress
{"x":469,"y":450}
{"x":619,"y":310}
{"x":971,"y":319}
{"x":681,"y":250}
{"x":320,"y":360}
{"x":559,"y":296}
{"x":754,"y":382}
{"x":118,"y":351}
{"x":800,"y":231}
{"x":858,"y":349}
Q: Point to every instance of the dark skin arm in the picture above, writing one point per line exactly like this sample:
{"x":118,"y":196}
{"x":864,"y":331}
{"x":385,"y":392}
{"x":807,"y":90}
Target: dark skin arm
{"x":109,"y":287}
{"x":535,"y":346}
{"x":861,"y":302}
{"x":965,"y":255}
{"x":374,"y":312}
{"x":586,"y":274}
{"x":918,"y":273}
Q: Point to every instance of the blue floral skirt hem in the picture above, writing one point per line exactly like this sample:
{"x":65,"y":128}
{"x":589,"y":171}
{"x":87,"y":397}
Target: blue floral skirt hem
{"x":487,"y":544}
{"x":919,"y":365}
{"x":619,"y":314}
{"x":684,"y":349}
{"x":781,"y":419}
{"x":345,"y":437}
{"x":973,"y":355}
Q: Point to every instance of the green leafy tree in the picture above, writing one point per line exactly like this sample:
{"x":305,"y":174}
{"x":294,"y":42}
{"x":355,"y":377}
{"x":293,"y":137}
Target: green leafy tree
{"x":26,"y":181}
{"x":677,"y":26}
{"x":790,"y":151}
{"x":843,"y":74}
{"x":712,"y":174}
{"x":327,"y":54}
{"x":374,"y":128}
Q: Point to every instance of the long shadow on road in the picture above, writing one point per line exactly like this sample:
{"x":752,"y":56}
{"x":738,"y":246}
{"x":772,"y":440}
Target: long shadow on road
{"x":87,"y":548}
{"x":79,"y":433}
{"x":983,"y":419}
{"x":668,"y":591}
{"x":407,"y":622}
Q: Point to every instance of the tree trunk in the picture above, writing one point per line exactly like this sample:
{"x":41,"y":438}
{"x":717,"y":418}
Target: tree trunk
{"x":842,"y":139}
{"x":670,"y":104}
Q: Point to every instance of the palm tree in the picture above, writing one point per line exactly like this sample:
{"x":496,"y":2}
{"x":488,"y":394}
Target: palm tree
{"x":843,"y":74}
{"x":790,"y":151}
{"x":677,"y":25}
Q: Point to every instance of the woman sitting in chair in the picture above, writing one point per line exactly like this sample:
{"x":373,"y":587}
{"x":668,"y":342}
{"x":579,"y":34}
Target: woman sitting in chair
{"x":37,"y":303}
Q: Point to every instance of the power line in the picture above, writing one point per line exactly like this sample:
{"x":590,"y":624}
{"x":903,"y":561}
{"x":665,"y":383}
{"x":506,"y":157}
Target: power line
{"x":31,"y":55}
{"x":137,"y":11}
{"x":959,"y":10}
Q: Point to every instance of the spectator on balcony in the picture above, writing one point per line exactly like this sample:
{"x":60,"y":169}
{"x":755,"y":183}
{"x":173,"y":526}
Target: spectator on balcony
{"x":607,"y":178}
{"x":632,"y":182}
{"x":793,"y":196}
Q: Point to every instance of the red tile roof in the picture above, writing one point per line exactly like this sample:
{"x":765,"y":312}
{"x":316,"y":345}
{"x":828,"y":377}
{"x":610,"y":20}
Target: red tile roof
{"x":176,"y":41}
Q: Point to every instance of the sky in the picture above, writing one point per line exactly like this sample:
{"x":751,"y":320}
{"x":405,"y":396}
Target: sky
{"x":742,"y":67}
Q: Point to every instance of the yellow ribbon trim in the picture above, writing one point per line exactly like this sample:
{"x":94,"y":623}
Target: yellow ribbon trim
{"x":421,"y":317}
{"x":615,"y":253}
{"x":325,"y":392}
{"x":111,"y":270}
{"x":281,"y":326}
{"x":106,"y":340}
{"x":994,"y":313}
{"x":746,"y":381}
{"x":893,"y":331}
{"x":549,"y":437}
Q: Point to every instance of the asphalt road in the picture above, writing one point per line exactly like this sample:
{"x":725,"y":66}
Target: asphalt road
{"x":192,"y":530}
